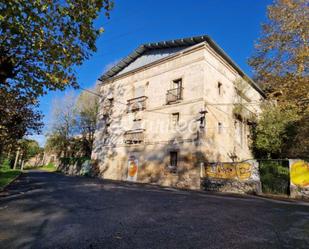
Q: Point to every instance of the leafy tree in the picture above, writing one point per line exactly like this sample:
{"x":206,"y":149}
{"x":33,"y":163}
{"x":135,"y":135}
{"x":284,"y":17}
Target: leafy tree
{"x":41,"y":43}
{"x":18,"y":118}
{"x":57,"y":143}
{"x":273,"y":130}
{"x":29,"y":148}
{"x":281,"y":67}
{"x":281,"y":61}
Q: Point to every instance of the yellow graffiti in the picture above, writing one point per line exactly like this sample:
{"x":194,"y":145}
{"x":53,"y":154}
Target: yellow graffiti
{"x":132,"y":169}
{"x":300,"y":173}
{"x":241,"y":171}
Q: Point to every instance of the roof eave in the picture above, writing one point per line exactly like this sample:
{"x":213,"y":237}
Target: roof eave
{"x":112,"y":73}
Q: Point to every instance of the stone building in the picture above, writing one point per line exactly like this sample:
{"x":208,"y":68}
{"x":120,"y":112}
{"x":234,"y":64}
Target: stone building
{"x":171,"y":107}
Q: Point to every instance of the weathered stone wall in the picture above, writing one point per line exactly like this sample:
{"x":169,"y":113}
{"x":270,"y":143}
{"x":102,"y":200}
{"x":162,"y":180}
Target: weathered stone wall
{"x":200,"y":69}
{"x":75,"y":168}
{"x":235,"y":177}
{"x":153,"y":165}
{"x":232,"y":186}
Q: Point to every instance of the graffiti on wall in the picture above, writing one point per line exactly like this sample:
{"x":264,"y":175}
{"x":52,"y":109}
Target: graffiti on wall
{"x":300,"y":173}
{"x":132,"y":168}
{"x":239,"y":171}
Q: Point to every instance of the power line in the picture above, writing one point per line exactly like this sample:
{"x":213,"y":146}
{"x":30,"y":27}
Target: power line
{"x":131,"y":13}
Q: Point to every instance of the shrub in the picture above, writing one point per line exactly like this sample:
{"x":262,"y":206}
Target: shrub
{"x":5,"y":164}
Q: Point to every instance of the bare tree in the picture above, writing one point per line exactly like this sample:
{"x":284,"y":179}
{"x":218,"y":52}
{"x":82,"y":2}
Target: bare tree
{"x":64,"y":125}
{"x":87,"y":107}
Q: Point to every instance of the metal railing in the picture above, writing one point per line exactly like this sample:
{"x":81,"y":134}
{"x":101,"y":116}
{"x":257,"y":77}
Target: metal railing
{"x":134,"y":136}
{"x":136,"y":104}
{"x":174,"y":95}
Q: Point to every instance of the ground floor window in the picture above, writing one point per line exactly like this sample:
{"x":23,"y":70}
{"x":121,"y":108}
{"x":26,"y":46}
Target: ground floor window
{"x":173,"y":161}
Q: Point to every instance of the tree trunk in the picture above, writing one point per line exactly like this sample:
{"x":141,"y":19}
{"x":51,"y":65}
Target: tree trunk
{"x":16,"y":158}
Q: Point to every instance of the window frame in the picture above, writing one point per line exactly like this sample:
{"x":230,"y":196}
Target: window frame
{"x":173,"y":159}
{"x":173,"y":123}
{"x":220,"y":127}
{"x":219,"y":86}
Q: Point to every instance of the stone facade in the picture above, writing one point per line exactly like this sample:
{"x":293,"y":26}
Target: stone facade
{"x":186,"y":116}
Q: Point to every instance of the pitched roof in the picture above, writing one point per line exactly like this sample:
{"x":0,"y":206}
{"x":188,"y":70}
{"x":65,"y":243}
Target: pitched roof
{"x":172,"y":45}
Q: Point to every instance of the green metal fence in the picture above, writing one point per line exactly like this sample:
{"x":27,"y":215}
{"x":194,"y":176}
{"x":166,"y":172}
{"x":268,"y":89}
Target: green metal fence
{"x":275,"y":176}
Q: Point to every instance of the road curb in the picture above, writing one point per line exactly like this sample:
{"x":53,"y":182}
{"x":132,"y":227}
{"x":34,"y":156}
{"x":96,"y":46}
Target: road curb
{"x":283,"y":198}
{"x":210,"y":193}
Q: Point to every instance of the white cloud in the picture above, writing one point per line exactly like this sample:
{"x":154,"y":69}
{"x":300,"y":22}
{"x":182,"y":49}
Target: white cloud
{"x":41,"y":139}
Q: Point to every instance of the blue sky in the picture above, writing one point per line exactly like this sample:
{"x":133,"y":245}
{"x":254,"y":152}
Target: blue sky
{"x":234,"y":24}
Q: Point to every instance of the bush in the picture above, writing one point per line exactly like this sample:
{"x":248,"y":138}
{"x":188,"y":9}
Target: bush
{"x":5,"y":164}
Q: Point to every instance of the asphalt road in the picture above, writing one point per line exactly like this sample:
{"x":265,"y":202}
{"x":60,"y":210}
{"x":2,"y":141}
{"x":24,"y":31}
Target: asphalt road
{"x":49,"y":210}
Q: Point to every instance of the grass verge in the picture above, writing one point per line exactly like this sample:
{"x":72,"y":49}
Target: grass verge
{"x":7,"y":175}
{"x":49,"y":167}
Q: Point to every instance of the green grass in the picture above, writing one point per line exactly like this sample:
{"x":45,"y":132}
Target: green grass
{"x":7,"y":175}
{"x":49,"y":167}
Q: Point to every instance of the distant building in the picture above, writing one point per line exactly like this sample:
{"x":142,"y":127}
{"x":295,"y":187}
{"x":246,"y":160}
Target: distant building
{"x":168,"y":108}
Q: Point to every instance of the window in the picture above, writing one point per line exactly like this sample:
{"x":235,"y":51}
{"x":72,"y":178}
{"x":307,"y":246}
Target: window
{"x":177,"y":83}
{"x":110,"y":102}
{"x":220,"y":127}
{"x":175,"y":119}
{"x":202,"y":119}
{"x":173,"y":159}
{"x":174,"y":94}
{"x":219,"y":88}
